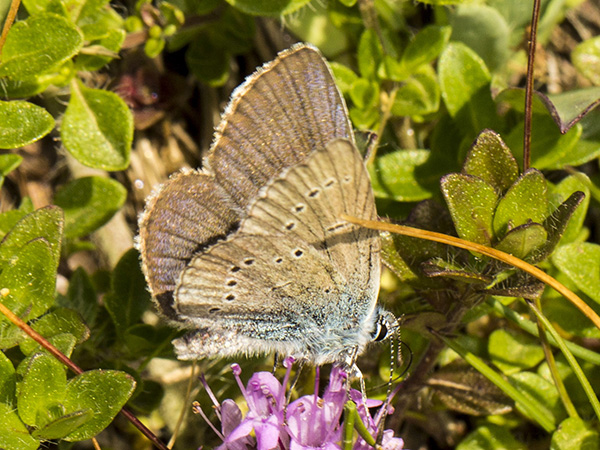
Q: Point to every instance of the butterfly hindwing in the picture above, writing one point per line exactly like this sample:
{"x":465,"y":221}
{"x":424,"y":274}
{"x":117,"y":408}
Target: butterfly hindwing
{"x":284,"y":275}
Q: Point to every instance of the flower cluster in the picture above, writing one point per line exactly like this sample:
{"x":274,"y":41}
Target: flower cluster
{"x":310,"y":422}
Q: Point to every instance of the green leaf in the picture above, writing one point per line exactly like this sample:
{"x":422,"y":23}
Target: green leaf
{"x":9,"y":162}
{"x":96,"y":57}
{"x":542,"y":391}
{"x":42,"y":390}
{"x":128,"y":298}
{"x":61,"y":322}
{"x":209,"y":62}
{"x":490,"y":437}
{"x":268,"y":7}
{"x":424,"y":47}
{"x":88,"y":203}
{"x":28,"y":86}
{"x":581,"y":263}
{"x":394,"y":176}
{"x":364,"y":119}
{"x":97,"y":128}
{"x":564,"y":191}
{"x":103,"y":392}
{"x":81,"y":296}
{"x":418,"y":96}
{"x":563,"y":225}
{"x":25,"y":54}
{"x":13,"y":433}
{"x":320,"y":25}
{"x":471,"y":202}
{"x":574,"y":433}
{"x":7,"y":381}
{"x":370,"y":54}
{"x":491,"y":160}
{"x":98,"y":22}
{"x":515,"y":12}
{"x":512,"y":351}
{"x":569,"y":107}
{"x":147,"y":397}
{"x":525,"y":201}
{"x":465,"y":87}
{"x":29,"y":281}
{"x":461,"y":388}
{"x":9,"y":219}
{"x":22,"y":123}
{"x":344,"y":76}
{"x":143,"y":339}
{"x":484,"y":30}
{"x":586,"y":58}
{"x":569,"y":319}
{"x":234,"y":32}
{"x":46,"y":223}
{"x":64,"y":425}
{"x":522,"y":240}
{"x":438,"y":267}
{"x":364,"y":94}
{"x":549,"y":148}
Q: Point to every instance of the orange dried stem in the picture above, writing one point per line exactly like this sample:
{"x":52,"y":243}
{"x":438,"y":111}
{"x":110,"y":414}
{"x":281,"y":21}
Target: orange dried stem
{"x":10,"y":18}
{"x":492,"y":253}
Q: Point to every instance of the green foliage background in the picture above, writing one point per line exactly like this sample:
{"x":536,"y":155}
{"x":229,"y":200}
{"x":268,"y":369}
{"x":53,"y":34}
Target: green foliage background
{"x":101,"y":101}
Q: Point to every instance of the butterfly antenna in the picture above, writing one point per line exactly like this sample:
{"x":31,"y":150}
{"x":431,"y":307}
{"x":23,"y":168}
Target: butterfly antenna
{"x":394,"y":355}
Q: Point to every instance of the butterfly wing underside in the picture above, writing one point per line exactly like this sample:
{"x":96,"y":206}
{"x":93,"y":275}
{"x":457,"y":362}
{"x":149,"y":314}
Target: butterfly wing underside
{"x":275,"y":119}
{"x":294,"y":267}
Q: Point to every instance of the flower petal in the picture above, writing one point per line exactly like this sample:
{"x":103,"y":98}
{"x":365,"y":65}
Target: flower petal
{"x":267,"y":433}
{"x":243,"y":429}
{"x":390,"y":442}
{"x":264,"y":394}
{"x":231,"y":417}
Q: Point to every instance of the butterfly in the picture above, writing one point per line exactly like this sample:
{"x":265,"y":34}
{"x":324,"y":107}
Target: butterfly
{"x":250,"y":252}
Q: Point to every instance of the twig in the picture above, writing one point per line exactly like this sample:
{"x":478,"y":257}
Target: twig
{"x":75,"y":368}
{"x":535,"y":17}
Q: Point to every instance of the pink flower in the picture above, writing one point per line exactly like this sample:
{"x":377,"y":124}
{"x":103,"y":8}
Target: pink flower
{"x":308,"y":423}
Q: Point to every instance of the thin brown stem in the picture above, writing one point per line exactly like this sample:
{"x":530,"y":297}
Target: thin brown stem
{"x":535,"y":17}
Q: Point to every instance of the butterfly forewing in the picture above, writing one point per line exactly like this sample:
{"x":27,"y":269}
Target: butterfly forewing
{"x":278,"y":117}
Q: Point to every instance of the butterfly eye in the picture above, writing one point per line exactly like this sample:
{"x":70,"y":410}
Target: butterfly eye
{"x":380,"y":332}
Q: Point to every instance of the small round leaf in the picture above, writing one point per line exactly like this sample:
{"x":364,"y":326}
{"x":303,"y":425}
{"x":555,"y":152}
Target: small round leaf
{"x":89,"y":203}
{"x":97,"y":128}
{"x":22,"y":123}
